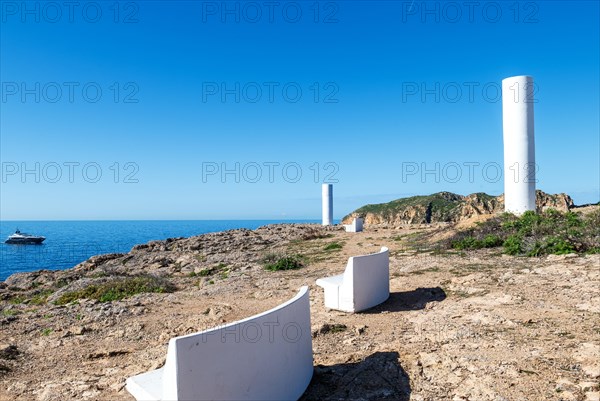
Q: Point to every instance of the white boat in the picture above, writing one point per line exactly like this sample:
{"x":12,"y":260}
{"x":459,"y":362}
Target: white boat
{"x":23,"y":238}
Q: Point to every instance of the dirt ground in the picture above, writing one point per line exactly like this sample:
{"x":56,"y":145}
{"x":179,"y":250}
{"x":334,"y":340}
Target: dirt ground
{"x":457,"y":326}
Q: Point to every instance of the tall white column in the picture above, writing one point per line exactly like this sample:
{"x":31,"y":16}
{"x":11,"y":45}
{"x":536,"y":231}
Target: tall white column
{"x":327,"y":204}
{"x":519,"y":145}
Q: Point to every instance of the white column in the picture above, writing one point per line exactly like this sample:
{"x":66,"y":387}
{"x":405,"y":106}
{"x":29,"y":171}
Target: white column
{"x":327,"y":204}
{"x":519,"y":146}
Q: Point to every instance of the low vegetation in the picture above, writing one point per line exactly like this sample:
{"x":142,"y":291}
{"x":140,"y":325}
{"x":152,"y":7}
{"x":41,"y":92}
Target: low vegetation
{"x":276,"y":262}
{"x":40,"y":297}
{"x":220,"y":268}
{"x":333,"y":246}
{"x":534,"y":234}
{"x":118,"y":288}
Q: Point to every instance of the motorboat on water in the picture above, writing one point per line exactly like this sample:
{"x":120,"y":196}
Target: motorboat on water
{"x":23,"y":238}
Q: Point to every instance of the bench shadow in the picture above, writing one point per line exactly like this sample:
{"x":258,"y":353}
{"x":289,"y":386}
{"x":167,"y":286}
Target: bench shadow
{"x":409,"y":300}
{"x":379,"y":376}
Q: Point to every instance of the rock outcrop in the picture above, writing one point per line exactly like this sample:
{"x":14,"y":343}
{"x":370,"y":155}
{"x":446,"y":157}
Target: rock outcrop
{"x":200,"y":255}
{"x":447,"y":207}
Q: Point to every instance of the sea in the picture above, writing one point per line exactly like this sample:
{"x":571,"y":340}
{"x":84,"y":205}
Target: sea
{"x":71,"y":242}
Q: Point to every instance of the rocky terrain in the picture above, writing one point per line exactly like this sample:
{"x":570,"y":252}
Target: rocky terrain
{"x":446,"y":207}
{"x":473,"y":325}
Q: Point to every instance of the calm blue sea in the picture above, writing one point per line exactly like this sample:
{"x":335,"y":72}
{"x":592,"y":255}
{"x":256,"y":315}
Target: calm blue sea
{"x":71,"y":242}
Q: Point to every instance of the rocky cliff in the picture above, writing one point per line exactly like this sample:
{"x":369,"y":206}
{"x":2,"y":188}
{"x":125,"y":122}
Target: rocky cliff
{"x":446,"y":207}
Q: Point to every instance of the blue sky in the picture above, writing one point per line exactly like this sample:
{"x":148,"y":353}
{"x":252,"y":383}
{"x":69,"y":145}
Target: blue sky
{"x":159,"y":97}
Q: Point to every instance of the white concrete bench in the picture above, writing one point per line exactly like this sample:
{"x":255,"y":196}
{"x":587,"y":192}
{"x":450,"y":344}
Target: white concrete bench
{"x":364,"y":284}
{"x":264,"y":357}
{"x":355,"y":227}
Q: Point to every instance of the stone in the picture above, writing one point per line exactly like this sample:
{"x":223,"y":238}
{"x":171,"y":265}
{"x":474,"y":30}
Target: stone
{"x":592,"y":371}
{"x":566,"y":395}
{"x":588,"y":386}
{"x":78,"y":330}
{"x":595,"y":396}
{"x":427,"y":360}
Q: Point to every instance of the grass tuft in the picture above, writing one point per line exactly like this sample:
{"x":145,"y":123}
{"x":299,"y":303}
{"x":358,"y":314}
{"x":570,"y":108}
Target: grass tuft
{"x":333,"y":246}
{"x":276,"y":262}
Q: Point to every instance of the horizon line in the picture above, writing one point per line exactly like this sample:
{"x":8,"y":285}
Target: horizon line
{"x":245,"y":219}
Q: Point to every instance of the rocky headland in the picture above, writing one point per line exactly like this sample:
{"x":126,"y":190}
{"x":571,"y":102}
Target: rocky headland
{"x":447,"y":207}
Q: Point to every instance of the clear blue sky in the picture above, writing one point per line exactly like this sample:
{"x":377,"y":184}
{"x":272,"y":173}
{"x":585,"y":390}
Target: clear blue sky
{"x":387,"y":73}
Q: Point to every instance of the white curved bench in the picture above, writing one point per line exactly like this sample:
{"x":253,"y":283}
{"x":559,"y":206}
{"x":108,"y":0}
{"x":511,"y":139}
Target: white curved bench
{"x":264,"y":357}
{"x":365,"y":283}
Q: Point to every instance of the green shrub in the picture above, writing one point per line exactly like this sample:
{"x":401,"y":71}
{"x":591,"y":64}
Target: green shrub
{"x":492,"y":241}
{"x":513,"y":245}
{"x":290,"y":262}
{"x":552,"y":245}
{"x":208,"y":271}
{"x":466,"y":243}
{"x":118,"y":288}
{"x":559,"y":246}
{"x":536,"y":250}
{"x":528,"y":222}
{"x":333,"y":245}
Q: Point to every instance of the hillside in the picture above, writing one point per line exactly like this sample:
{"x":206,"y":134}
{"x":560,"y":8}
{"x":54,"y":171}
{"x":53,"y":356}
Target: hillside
{"x":447,"y":207}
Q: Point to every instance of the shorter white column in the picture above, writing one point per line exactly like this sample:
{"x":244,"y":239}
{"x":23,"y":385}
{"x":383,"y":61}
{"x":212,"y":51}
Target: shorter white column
{"x":327,"y":198}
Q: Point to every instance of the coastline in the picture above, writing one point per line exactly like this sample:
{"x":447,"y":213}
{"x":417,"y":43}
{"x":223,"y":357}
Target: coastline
{"x":71,"y":242}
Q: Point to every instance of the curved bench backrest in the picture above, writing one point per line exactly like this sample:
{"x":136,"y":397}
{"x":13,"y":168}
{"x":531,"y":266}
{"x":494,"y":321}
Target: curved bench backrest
{"x":367,"y":279}
{"x":264,"y":357}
